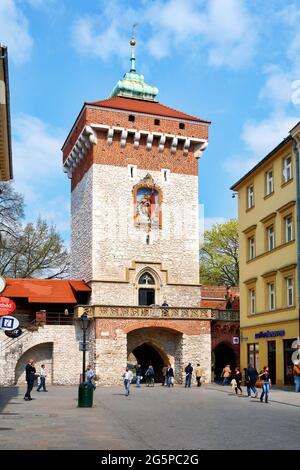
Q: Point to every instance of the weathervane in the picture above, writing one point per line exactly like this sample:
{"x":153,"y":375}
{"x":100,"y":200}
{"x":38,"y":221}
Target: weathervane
{"x":132,"y":43}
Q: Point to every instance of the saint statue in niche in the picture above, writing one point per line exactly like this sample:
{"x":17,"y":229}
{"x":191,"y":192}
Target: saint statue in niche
{"x":147,"y":206}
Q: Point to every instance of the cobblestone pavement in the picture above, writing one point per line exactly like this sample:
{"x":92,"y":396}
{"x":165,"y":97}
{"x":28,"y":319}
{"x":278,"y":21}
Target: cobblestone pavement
{"x":210,"y":417}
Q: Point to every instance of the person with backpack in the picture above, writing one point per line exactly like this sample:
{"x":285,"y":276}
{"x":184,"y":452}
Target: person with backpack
{"x":150,"y":376}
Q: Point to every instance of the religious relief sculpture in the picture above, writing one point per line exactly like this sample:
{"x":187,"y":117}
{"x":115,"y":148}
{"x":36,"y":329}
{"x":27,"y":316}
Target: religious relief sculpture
{"x":147,"y":203}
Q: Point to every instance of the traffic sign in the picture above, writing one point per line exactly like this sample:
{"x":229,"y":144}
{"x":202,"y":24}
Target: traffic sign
{"x":2,"y":284}
{"x":7,"y":306}
{"x":8,"y":323}
{"x":83,"y":347}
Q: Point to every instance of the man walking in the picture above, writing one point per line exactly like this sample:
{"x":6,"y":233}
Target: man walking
{"x":138,"y":375}
{"x":43,"y":376}
{"x":198,"y":372}
{"x":30,"y":376}
{"x":127,"y":377}
{"x":251,"y":377}
{"x":188,"y":377}
{"x":170,"y":376}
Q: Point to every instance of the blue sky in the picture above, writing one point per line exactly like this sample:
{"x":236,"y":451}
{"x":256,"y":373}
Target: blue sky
{"x":234,"y":62}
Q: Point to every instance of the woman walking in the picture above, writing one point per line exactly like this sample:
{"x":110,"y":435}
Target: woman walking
{"x":237,"y":375}
{"x":266,"y":383}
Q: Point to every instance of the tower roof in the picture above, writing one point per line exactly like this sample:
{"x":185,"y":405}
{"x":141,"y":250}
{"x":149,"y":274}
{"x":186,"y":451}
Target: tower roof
{"x":144,"y":107}
{"x":133,"y":83}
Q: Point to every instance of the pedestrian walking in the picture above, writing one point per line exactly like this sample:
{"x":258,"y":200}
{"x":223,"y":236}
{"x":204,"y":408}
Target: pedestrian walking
{"x":150,"y":376}
{"x":127,"y":377}
{"x":188,"y":375}
{"x":237,"y":376}
{"x":226,"y":375}
{"x":296,"y":372}
{"x":164,"y":375}
{"x":198,"y":372}
{"x":138,"y":375}
{"x":251,"y":375}
{"x":90,"y":376}
{"x":266,"y":384}
{"x":30,"y":376}
{"x":170,"y":376}
{"x":43,"y":375}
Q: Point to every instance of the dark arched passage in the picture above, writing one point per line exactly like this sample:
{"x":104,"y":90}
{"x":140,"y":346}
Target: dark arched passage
{"x":223,"y":355}
{"x":145,"y":355}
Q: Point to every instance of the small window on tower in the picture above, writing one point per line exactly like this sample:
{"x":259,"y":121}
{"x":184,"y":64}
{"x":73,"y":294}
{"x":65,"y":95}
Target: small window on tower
{"x":131,"y":118}
{"x":165,"y":175}
{"x":131,"y":172}
{"x":156,"y":122}
{"x":181,"y":125}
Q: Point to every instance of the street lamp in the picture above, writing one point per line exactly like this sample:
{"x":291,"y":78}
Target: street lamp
{"x":84,"y":320}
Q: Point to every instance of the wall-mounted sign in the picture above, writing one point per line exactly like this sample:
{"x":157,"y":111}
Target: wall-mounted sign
{"x":2,"y":284}
{"x":235,"y":340}
{"x":269,"y":334}
{"x":9,"y":323}
{"x":7,"y":306}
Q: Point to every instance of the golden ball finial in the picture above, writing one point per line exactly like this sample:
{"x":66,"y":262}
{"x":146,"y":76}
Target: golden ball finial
{"x":132,"y":42}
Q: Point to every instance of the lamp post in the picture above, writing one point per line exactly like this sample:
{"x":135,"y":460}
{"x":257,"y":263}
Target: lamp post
{"x":84,"y":319}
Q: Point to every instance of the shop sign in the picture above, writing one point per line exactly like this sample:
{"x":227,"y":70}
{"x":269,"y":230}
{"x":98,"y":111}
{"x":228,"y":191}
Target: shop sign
{"x":7,"y":306}
{"x":269,"y":334}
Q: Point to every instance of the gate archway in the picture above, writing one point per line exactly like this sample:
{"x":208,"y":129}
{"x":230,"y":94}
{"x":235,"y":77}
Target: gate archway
{"x":42,"y":354}
{"x":223,"y":355}
{"x":145,"y":355}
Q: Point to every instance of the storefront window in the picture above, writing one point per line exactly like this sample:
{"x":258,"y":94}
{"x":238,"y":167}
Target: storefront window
{"x":288,"y":365}
{"x":253,"y":355}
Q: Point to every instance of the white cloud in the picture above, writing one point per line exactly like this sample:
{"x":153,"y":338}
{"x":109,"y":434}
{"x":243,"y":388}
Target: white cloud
{"x":278,"y":86}
{"x":223,"y":30}
{"x":238,"y":165}
{"x":15,"y":32}
{"x":261,"y":137}
{"x":37,"y":163}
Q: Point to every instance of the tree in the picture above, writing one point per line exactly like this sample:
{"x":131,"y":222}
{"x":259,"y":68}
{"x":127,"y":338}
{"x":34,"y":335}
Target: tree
{"x":31,"y":251}
{"x":11,"y":209}
{"x":219,"y":260}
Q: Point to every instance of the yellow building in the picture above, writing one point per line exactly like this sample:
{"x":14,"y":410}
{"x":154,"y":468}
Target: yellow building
{"x":6,"y":172}
{"x":269,"y":305}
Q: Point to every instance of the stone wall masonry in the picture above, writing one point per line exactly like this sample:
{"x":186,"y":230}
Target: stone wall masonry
{"x":111,"y":357}
{"x":81,"y":229}
{"x":66,"y":358}
{"x":197,"y":349}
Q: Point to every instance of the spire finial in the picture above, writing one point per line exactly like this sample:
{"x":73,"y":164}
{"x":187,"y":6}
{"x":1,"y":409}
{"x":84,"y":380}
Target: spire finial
{"x":132,"y":43}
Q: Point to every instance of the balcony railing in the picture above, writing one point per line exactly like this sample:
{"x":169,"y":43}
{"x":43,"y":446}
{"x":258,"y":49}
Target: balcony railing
{"x":112,"y":311}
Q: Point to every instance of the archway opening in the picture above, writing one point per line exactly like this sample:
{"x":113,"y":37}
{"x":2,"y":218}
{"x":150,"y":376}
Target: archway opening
{"x":42,"y":354}
{"x":146,"y":355}
{"x":223,"y":355}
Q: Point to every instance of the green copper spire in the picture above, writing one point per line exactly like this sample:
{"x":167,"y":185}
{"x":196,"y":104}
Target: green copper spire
{"x":133,"y":84}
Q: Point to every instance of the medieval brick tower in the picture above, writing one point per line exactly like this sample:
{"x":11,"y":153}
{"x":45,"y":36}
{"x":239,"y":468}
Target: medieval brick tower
{"x":133,"y":163}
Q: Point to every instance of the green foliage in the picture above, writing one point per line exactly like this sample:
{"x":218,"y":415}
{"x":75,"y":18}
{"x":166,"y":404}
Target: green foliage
{"x":219,"y":260}
{"x":35,"y":250}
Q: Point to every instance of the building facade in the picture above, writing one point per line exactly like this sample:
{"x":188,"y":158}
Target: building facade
{"x":133,"y":165}
{"x":269,"y":306}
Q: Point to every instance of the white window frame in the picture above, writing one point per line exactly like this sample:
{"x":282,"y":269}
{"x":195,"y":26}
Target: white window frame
{"x":290,"y":291}
{"x":271,"y":237}
{"x":250,"y":196}
{"x":269,"y":182}
{"x":251,"y":248}
{"x":288,"y":228}
{"x":272,"y":299}
{"x":287,"y":169}
{"x":252,"y":301}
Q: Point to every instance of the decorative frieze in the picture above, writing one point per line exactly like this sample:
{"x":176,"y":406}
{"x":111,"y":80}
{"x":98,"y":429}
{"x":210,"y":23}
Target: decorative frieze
{"x":110,"y":311}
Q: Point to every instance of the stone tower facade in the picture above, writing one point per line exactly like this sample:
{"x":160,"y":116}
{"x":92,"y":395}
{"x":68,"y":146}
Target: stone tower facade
{"x":134,"y":175}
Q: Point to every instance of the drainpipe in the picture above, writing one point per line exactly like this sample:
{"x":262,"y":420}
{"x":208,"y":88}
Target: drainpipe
{"x":296,"y":151}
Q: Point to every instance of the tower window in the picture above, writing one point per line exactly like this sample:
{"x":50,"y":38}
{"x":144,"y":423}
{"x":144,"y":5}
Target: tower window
{"x":131,"y":118}
{"x":131,"y":171}
{"x":156,"y":122}
{"x":146,"y":279}
{"x":165,"y":175}
{"x":181,"y":125}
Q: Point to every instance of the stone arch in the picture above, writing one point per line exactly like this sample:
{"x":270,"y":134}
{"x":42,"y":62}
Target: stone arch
{"x":166,"y":342}
{"x":223,"y":354}
{"x":41,"y":353}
